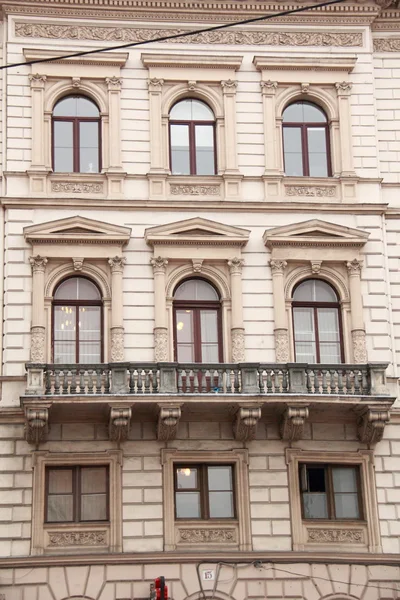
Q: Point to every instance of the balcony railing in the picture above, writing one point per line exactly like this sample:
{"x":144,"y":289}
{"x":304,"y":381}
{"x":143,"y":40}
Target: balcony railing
{"x":222,"y":378}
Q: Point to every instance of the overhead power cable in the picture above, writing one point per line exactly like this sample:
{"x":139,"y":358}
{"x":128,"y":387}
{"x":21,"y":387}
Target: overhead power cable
{"x":174,"y":36}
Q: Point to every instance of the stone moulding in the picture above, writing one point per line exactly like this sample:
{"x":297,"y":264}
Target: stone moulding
{"x":195,"y":190}
{"x":325,"y":191}
{"x":77,"y":538}
{"x":130,"y":34}
{"x":207,"y":536}
{"x":329,"y":536}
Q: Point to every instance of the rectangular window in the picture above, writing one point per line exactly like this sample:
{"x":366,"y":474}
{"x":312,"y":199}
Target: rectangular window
{"x":204,"y":492}
{"x":76,"y":494}
{"x":330,"y":491}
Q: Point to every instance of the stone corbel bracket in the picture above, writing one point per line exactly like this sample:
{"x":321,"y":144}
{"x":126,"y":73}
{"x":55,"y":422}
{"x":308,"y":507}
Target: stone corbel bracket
{"x":168,"y":421}
{"x":36,"y":424}
{"x":371,"y":424}
{"x":245,"y":425}
{"x":119,"y":424}
{"x":292,"y":423}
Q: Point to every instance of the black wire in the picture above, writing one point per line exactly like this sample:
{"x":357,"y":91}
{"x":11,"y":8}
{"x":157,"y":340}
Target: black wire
{"x":175,"y":35}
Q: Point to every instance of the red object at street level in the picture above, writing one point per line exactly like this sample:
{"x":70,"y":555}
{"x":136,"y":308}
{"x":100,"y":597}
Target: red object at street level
{"x":161,"y":589}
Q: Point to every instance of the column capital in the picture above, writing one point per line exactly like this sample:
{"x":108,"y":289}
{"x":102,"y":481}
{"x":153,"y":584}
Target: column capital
{"x":235,"y":265}
{"x":114,"y":83}
{"x":229,"y":86}
{"x":38,"y":263}
{"x":155,"y":85}
{"x":159,"y":264}
{"x":277,"y":266}
{"x":354,"y":267}
{"x":268,"y":88}
{"x":343,"y":88}
{"x":37,"y":80}
{"x":117,"y":264}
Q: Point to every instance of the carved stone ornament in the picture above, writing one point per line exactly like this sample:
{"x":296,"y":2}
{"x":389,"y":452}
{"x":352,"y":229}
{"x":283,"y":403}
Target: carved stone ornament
{"x":78,"y":263}
{"x":117,"y":344}
{"x":235,"y":265}
{"x":195,"y":190}
{"x":354,"y":267}
{"x":155,"y":85}
{"x":37,"y":80}
{"x":114,"y":83}
{"x":36,"y":424}
{"x":38,"y":263}
{"x":360,"y":355}
{"x":245,"y":425}
{"x":281,"y":345}
{"x":241,"y":38}
{"x":119,"y":424}
{"x":277,"y":266}
{"x":117,"y":264}
{"x":336,"y":536}
{"x":159,"y":264}
{"x":76,"y":82}
{"x":292,"y":423}
{"x":68,"y":187}
{"x":305,"y":88}
{"x":390,"y":44}
{"x":160,"y":344}
{"x":207,"y":536}
{"x":229,"y":86}
{"x":371,"y":425}
{"x":238,"y":344}
{"x":319,"y":191}
{"x":38,"y":335}
{"x":192,"y":85}
{"x":197,"y":264}
{"x":316,"y":266}
{"x":168,"y":421}
{"x":269,"y":87}
{"x":77,"y":538}
{"x":343,"y":88}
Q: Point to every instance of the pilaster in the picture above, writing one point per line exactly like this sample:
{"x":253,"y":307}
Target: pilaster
{"x":159,"y":265}
{"x":237,"y":330}
{"x":357,"y":323}
{"x":281,"y":326}
{"x":117,"y":329}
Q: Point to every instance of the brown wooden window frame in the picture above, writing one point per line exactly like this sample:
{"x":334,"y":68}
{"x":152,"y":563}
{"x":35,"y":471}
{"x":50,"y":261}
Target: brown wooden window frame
{"x":304,"y":127}
{"x":202,"y":488}
{"x":76,"y":492}
{"x":315,"y":306}
{"x":329,"y":490}
{"x":76,"y":148}
{"x":77,"y":304}
{"x":197,"y":306}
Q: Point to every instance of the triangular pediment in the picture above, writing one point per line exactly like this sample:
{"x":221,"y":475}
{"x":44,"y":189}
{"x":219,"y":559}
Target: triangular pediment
{"x":77,"y":229}
{"x":196,"y":230}
{"x":314,"y":233}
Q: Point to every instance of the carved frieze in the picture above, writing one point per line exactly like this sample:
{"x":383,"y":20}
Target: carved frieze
{"x":36,"y":424}
{"x":68,"y":187}
{"x":206,"y":536}
{"x":130,"y":34}
{"x":117,"y":344}
{"x":319,"y":191}
{"x":371,"y":425}
{"x":245,"y":425}
{"x":238,"y":344}
{"x":120,"y":419}
{"x":38,"y":344}
{"x":389,"y":44}
{"x":168,"y":420}
{"x":281,"y":345}
{"x":160,"y":344}
{"x":336,"y":536}
{"x":359,"y":346}
{"x":292,"y":423}
{"x":195,"y":190}
{"x":77,"y":538}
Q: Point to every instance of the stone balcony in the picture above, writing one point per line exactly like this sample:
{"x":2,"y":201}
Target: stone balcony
{"x":243,"y":392}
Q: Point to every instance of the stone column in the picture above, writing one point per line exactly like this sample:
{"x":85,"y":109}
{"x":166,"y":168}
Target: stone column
{"x":281,"y":326}
{"x":38,"y":328}
{"x":237,"y":329}
{"x":117,"y":328}
{"x":346,"y":143}
{"x":156,"y":143}
{"x":356,"y":310}
{"x":159,"y":265}
{"x":114,"y":111}
{"x":268,"y":89}
{"x":229,"y":92}
{"x":38,"y":147}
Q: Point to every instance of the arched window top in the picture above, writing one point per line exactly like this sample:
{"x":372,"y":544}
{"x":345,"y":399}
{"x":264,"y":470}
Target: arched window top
{"x":304,"y":112}
{"x":196,"y":290}
{"x":77,"y":288}
{"x":314,"y":290}
{"x":191,"y":109}
{"x":76,"y":106}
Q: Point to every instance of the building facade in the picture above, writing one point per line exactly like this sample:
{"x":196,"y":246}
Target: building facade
{"x":201,"y":300}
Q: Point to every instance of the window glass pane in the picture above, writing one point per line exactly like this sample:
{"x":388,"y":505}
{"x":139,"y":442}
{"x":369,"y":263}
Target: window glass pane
{"x":75,"y":106}
{"x":205,"y":164}
{"x":60,"y":481}
{"x":201,"y":112}
{"x":94,"y":507}
{"x":86,"y":108}
{"x":89,"y":334}
{"x":303,"y":112}
{"x":65,"y":107}
{"x":314,"y":290}
{"x":346,"y":506}
{"x":221,"y":505}
{"x":191,"y":110}
{"x":184,"y":336}
{"x":89,"y":147}
{"x":293,"y":151}
{"x":180,"y":158}
{"x":344,"y":479}
{"x":304,"y":334}
{"x":63,"y":147}
{"x":317,"y":152}
{"x":329,"y":335}
{"x":64,"y":334}
{"x":209,"y":335}
{"x":60,"y":508}
{"x":187,"y":505}
{"x":77,"y":288}
{"x":186,"y":478}
{"x":196,"y":289}
{"x":219,"y":478}
{"x":315,"y":506}
{"x":93,"y":480}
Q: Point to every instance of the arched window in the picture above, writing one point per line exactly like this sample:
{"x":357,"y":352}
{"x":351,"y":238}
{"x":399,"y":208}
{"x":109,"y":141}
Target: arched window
{"x":192,"y":138}
{"x":197,"y":319}
{"x":77,"y":322}
{"x":76,"y":136}
{"x":317,"y":323}
{"x":306,"y":141}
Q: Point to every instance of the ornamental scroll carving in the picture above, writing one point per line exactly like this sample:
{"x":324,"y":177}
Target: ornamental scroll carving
{"x":325,"y":191}
{"x":281,"y":345}
{"x":36,"y":424}
{"x":66,"y":187}
{"x":120,"y":419}
{"x":117,"y":344}
{"x":195,"y":190}
{"x":245,"y":425}
{"x":359,"y":346}
{"x":38,"y":344}
{"x":336,"y":536}
{"x":205,"y":536}
{"x":292,"y":423}
{"x":130,"y":34}
{"x":77,"y":538}
{"x":371,"y":425}
{"x":160,"y":344}
{"x":238,"y":344}
{"x":168,"y":421}
{"x":391,"y":44}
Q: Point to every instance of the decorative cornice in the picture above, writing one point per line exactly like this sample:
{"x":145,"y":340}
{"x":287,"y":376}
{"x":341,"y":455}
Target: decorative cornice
{"x":315,"y":233}
{"x":168,"y":421}
{"x":76,"y":229}
{"x":245,"y":425}
{"x":305,"y":63}
{"x":185,"y":61}
{"x":117,"y":59}
{"x":292,"y":423}
{"x":371,"y":425}
{"x":119,"y":424}
{"x":196,"y":232}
